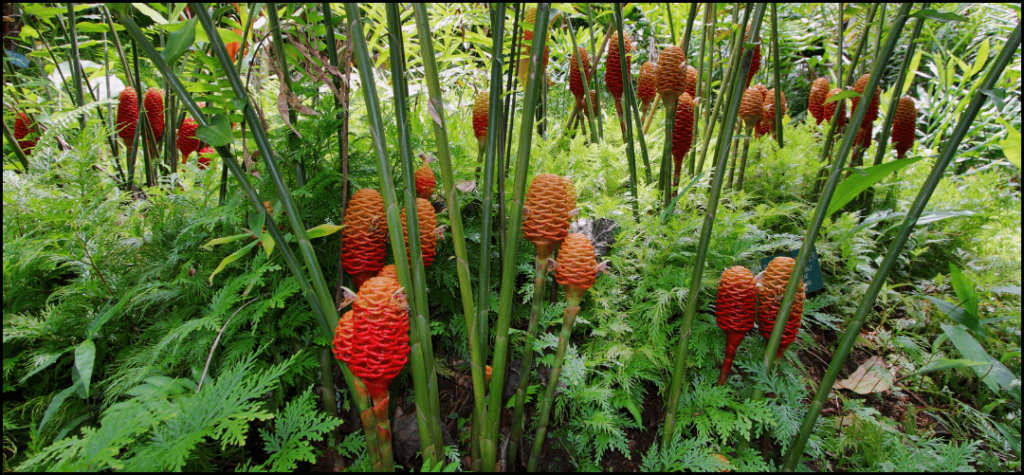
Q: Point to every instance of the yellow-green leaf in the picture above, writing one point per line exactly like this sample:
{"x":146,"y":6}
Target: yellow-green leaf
{"x":224,"y":240}
{"x":232,"y":258}
{"x":323,"y":230}
{"x":981,"y":59}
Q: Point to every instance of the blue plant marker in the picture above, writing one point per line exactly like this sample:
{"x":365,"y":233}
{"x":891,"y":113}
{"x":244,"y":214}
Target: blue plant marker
{"x":16,"y":59}
{"x":813,"y":280}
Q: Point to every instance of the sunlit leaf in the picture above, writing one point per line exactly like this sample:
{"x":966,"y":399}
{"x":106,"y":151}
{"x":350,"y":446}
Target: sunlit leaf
{"x":85,"y":360}
{"x":856,"y":183}
{"x":218,"y":133}
{"x":323,"y":230}
{"x":180,"y":41}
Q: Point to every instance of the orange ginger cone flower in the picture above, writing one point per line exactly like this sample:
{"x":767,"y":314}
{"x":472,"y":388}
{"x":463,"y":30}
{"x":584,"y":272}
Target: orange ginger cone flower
{"x":546,"y":213}
{"x":576,"y":83}
{"x":530,"y":17}
{"x":127,"y":115}
{"x":647,"y":87}
{"x":570,"y":193}
{"x":816,"y":99}
{"x":751,"y":107}
{"x":830,"y":108}
{"x":480,"y":117}
{"x":425,"y":181}
{"x":388,"y":271}
{"x":736,"y":311}
{"x":487,"y":373}
{"x":670,"y":77}
{"x":343,"y":336}
{"x":759,"y":87}
{"x":524,"y":55}
{"x":690,"y":75}
{"x":904,"y":125}
{"x":428,"y":224}
{"x":755,"y":62}
{"x":613,"y":67}
{"x":872,"y":113}
{"x":863,"y":138}
{"x":362,"y":239}
{"x":234,"y":46}
{"x":593,"y":101}
{"x":577,"y":267}
{"x":21,"y":130}
{"x":378,"y":347}
{"x":771,"y":284}
{"x":204,"y":157}
{"x":154,"y":102}
{"x":767,"y":123}
{"x":187,"y":141}
{"x":682,"y":134}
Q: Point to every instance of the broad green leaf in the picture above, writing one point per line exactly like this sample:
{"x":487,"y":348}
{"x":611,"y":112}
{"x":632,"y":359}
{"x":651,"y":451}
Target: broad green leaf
{"x":993,"y":373}
{"x":180,"y":41}
{"x":944,"y":364}
{"x":232,"y":258}
{"x":964,"y":288}
{"x":856,"y":183}
{"x":957,"y":314}
{"x":267,"y":241}
{"x":85,"y":361}
{"x":1007,"y":290}
{"x":28,"y":32}
{"x":106,"y":313}
{"x":1012,"y":438}
{"x":89,"y":27}
{"x":941,"y":17}
{"x":323,"y":230}
{"x":218,"y":133}
{"x":55,"y":405}
{"x":1011,"y":144}
{"x":981,"y":59}
{"x":43,"y":362}
{"x":848,"y":94}
{"x":151,"y":13}
{"x":224,"y":240}
{"x":911,"y":72}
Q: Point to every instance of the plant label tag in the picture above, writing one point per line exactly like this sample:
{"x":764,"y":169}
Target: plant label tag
{"x":813,"y":280}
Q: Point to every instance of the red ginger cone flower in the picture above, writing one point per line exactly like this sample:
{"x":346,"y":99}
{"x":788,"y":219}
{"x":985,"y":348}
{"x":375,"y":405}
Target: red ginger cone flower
{"x":670,"y":77}
{"x":755,"y":62}
{"x":682,"y":134}
{"x":872,"y":114}
{"x":767,"y":123}
{"x":362,"y":239}
{"x":593,"y":101}
{"x":127,"y":115}
{"x":816,"y":99}
{"x":425,"y":181}
{"x":736,"y":310}
{"x":388,"y":271}
{"x":751,"y":107}
{"x":690,"y":75}
{"x":863,"y":138}
{"x":428,"y":237}
{"x":577,"y":267}
{"x":646,"y":86}
{"x":771,"y":285}
{"x":187,"y":141}
{"x":154,"y":103}
{"x":546,"y":213}
{"x":830,"y":108}
{"x":613,"y":67}
{"x":576,"y":82}
{"x":378,"y":347}
{"x":904,"y":125}
{"x":343,"y":336}
{"x":204,"y":157}
{"x":480,"y":115}
{"x":21,"y":130}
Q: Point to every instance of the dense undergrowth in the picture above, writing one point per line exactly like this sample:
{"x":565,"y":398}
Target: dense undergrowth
{"x":123,"y":351}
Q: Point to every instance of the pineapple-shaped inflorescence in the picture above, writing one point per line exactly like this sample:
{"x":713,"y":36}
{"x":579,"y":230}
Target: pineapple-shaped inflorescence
{"x":671,"y":79}
{"x":647,"y":86}
{"x":690,"y":75}
{"x":735,"y":310}
{"x":204,"y":157}
{"x":428,"y":224}
{"x":187,"y":141}
{"x":613,"y":66}
{"x":570,"y":193}
{"x":127,"y":115}
{"x":816,"y":99}
{"x":755,"y":62}
{"x":154,"y":103}
{"x":682,"y":134}
{"x":904,"y":125}
{"x":872,"y":112}
{"x":362,"y":239}
{"x":21,"y":131}
{"x":751,"y":108}
{"x":577,"y":267}
{"x":577,"y":85}
{"x":388,"y":271}
{"x":480,"y":115}
{"x":374,"y":341}
{"x":593,"y":102}
{"x":771,"y":285}
{"x":546,"y":213}
{"x":830,"y":108}
{"x":425,"y":180}
{"x":767,"y":123}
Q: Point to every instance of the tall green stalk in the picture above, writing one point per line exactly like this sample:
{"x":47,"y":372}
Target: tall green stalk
{"x":282,"y":64}
{"x":890,"y":115}
{"x":896,"y":248}
{"x":735,"y":92}
{"x":700,"y":84}
{"x":526,"y":365}
{"x":778,"y":80}
{"x":630,"y":154}
{"x":721,"y":98}
{"x":820,"y":212}
{"x":513,"y":236}
{"x":593,"y":76}
{"x":568,"y":318}
{"x":839,"y":47}
{"x":76,"y":72}
{"x":582,"y":70}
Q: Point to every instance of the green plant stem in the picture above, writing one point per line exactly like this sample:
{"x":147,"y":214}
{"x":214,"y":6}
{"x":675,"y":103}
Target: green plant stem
{"x":735,"y":157}
{"x":593,"y":76}
{"x":582,"y":70}
{"x":743,"y":162}
{"x":719,"y":100}
{"x":568,"y":318}
{"x":18,"y":152}
{"x":839,"y":47}
{"x":692,"y":15}
{"x":76,"y":72}
{"x":700,"y":69}
{"x":705,"y":104}
{"x":890,"y":115}
{"x":665,"y":172}
{"x":671,"y":23}
{"x":814,"y":226}
{"x":630,"y":154}
{"x":696,"y":276}
{"x":512,"y":237}
{"x":282,"y":61}
{"x":526,"y":368}
{"x":862,"y":42}
{"x":129,"y":151}
{"x":896,"y":248}
{"x":631,"y":91}
{"x":778,"y":80}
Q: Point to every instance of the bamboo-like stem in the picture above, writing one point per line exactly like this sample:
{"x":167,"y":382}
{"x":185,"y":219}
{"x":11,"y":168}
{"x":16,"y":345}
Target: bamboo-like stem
{"x":896,"y":248}
{"x":861,"y":43}
{"x":719,"y":100}
{"x":671,"y":23}
{"x":422,"y":358}
{"x":700,"y":69}
{"x":878,"y":36}
{"x":650,"y":113}
{"x":586,"y":94}
{"x":593,"y":76}
{"x":513,"y":236}
{"x":76,"y":72}
{"x":568,"y":318}
{"x":692,"y":15}
{"x":282,"y":64}
{"x":526,"y":368}
{"x":839,"y":47}
{"x":778,"y":80}
{"x":142,"y":128}
{"x":630,"y":154}
{"x":18,"y":152}
{"x":735,"y":157}
{"x":743,"y":160}
{"x":705,"y":105}
{"x":814,"y":226}
{"x":741,"y":63}
{"x":890,"y":115}
{"x":130,"y":152}
{"x":631,"y":91}
{"x":664,"y":176}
